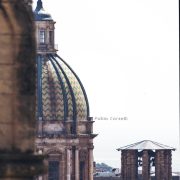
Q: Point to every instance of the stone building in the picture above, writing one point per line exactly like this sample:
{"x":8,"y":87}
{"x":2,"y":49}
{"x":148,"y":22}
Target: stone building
{"x":65,"y":128}
{"x":146,"y":155}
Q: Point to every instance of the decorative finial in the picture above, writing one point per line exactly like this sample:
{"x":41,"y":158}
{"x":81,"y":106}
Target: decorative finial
{"x":39,"y":5}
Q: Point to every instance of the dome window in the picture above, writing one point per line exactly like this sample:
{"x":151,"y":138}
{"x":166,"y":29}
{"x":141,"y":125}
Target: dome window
{"x":42,"y":36}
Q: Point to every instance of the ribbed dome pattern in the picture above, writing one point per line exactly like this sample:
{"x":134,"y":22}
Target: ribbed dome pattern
{"x":61,"y":95}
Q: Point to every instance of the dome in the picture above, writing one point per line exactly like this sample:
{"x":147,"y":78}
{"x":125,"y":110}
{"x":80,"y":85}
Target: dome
{"x":40,"y":14}
{"x":61,"y":95}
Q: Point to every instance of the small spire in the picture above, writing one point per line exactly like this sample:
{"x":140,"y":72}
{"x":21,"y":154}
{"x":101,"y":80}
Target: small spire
{"x":39,"y":5}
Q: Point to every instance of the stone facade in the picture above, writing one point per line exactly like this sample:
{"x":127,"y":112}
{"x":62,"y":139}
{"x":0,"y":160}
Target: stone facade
{"x":74,"y":155}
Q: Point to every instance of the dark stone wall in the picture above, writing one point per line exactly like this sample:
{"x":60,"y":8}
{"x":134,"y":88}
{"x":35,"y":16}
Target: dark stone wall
{"x":17,"y":76}
{"x":17,"y":92}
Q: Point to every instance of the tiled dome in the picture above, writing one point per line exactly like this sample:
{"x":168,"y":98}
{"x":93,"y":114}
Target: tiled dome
{"x":61,"y":95}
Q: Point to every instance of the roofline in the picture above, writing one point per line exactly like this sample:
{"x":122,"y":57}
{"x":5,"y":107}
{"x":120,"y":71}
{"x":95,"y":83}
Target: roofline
{"x":129,"y":147}
{"x":120,"y":149}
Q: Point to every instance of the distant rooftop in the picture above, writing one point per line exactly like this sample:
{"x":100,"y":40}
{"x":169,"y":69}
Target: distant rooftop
{"x":146,"y":145}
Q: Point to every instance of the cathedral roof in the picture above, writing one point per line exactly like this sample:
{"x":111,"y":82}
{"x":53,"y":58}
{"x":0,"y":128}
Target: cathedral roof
{"x":40,"y":14}
{"x":146,"y":145}
{"x":61,"y":95}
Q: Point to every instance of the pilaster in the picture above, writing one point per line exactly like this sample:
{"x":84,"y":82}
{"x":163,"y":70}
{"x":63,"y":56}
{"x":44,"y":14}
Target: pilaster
{"x":76,"y":164}
{"x":68,"y":162}
{"x":90,"y":152}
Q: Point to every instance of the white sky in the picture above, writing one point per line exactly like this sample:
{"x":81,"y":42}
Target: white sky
{"x":126,"y":54}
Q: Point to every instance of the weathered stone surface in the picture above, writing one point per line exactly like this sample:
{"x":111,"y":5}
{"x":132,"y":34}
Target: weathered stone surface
{"x":129,"y":164}
{"x":7,"y":140}
{"x":163,"y":169}
{"x":6,"y":110}
{"x":17,"y":92}
{"x":6,"y":87}
{"x":146,"y":165}
{"x":17,"y":76}
{"x":6,"y":72}
{"x":6,"y":43}
{"x":20,"y":166}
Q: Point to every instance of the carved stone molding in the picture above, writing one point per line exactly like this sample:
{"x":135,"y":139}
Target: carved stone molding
{"x":53,"y":150}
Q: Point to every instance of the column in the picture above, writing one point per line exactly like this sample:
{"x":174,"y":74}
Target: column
{"x":91,"y":168}
{"x":167,"y":162}
{"x":68,"y":160}
{"x":159,"y":165}
{"x":128,"y":165}
{"x":131,"y":165}
{"x":134,"y":164}
{"x":123,"y":163}
{"x":77,"y":164}
{"x":145,"y":165}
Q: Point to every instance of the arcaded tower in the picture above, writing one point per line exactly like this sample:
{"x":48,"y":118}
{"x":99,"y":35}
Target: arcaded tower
{"x":64,"y":131}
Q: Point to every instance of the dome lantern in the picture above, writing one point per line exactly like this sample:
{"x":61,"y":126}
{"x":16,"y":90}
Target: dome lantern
{"x":44,"y":30}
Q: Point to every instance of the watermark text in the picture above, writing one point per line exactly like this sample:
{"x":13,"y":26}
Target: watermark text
{"x":111,"y":118}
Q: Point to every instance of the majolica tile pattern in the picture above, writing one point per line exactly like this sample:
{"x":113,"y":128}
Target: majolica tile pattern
{"x":62,"y":95}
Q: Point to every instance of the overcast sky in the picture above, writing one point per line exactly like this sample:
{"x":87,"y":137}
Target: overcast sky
{"x":126,"y":54}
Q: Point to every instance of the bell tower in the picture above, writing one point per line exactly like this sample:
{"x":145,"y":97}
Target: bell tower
{"x":44,"y":30}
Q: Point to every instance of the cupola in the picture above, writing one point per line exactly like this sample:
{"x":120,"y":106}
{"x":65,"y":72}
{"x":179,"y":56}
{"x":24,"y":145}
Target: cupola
{"x":44,"y":30}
